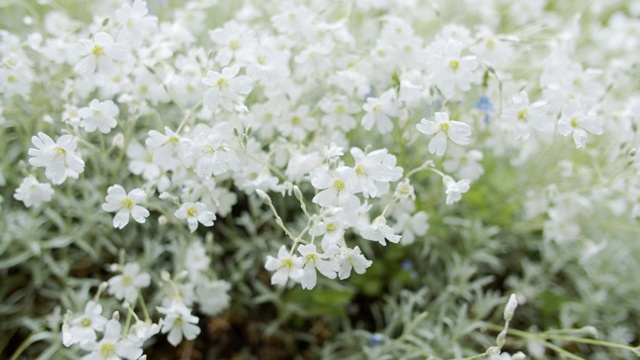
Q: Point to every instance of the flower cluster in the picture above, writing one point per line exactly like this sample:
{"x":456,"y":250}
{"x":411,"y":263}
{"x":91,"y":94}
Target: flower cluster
{"x":356,"y":131}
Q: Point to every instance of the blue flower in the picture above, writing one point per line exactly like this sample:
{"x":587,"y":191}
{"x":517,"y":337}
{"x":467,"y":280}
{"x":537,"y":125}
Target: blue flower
{"x":484,"y":104}
{"x":377,"y":339}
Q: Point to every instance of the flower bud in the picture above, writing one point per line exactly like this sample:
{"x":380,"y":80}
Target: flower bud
{"x":510,"y":308}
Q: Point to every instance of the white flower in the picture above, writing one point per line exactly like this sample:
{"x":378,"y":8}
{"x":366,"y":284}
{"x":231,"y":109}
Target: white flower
{"x":166,"y":148}
{"x":405,"y":191}
{"x":525,"y":115}
{"x":338,"y":188}
{"x":285,"y":266}
{"x":312,"y":261}
{"x":578,"y":119}
{"x":124,"y":204}
{"x":464,"y":163}
{"x":144,"y":330}
{"x":213,"y":296}
{"x":99,"y":54}
{"x":454,"y":190}
{"x":226,"y":88}
{"x":410,"y":226}
{"x":380,"y":111}
{"x":456,"y":131}
{"x":111,"y":347}
{"x":449,"y":69}
{"x":196,"y":260}
{"x":99,"y":115}
{"x":33,"y":193}
{"x":194,"y":213}
{"x":58,"y":158}
{"x":135,"y":22}
{"x":126,"y":285}
{"x":375,"y":170}
{"x":179,"y":323}
{"x":379,"y":231}
{"x":349,"y":259}
{"x":339,"y":113}
{"x":83,"y":328}
{"x":235,"y":40}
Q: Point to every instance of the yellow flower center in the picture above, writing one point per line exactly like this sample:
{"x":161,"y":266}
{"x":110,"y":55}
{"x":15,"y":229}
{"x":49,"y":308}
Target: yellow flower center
{"x":522,"y":115}
{"x":97,"y":50}
{"x":295,"y":120}
{"x":107,"y":350}
{"x":191,"y":212}
{"x":127,"y":280}
{"x":127,"y":203}
{"x":234,"y":44}
{"x":444,"y":127}
{"x":574,"y":123}
{"x":361,"y":170}
{"x":338,"y":185}
{"x":331,"y":227}
{"x":454,"y":65}
{"x":85,"y":322}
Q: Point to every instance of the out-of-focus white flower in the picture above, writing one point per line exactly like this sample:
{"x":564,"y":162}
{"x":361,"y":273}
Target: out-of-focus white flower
{"x":33,"y":193}
{"x":125,"y":286}
{"x":99,"y":54}
{"x":99,"y":115}
{"x":82,"y":328}
{"x":225,"y":88}
{"x":112,"y":346}
{"x":380,"y":111}
{"x":453,"y":189}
